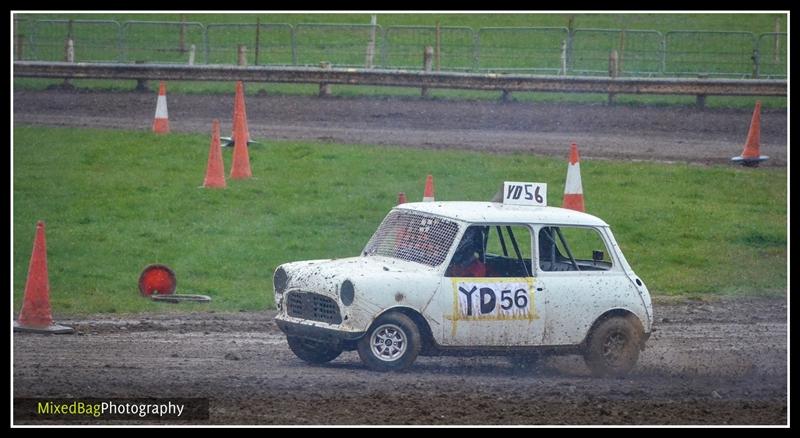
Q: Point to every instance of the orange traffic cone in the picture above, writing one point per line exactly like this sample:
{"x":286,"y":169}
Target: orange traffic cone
{"x":35,"y":315}
{"x":751,"y":156}
{"x":161,"y":121}
{"x":215,"y":172}
{"x":401,"y":198}
{"x":573,"y":189}
{"x":240,"y":169}
{"x":238,"y":107}
{"x":428,"y":195}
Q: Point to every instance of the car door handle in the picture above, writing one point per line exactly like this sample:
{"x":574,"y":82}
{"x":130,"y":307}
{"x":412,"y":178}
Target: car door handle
{"x":539,"y":289}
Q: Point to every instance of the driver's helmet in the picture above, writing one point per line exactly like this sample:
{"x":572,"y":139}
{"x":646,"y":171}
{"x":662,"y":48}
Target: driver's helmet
{"x":471,"y":243}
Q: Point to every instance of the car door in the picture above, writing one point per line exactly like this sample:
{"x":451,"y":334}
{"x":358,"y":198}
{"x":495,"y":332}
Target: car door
{"x":496,"y":305}
{"x":578,"y":279}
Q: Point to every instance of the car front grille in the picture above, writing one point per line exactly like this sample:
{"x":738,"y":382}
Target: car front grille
{"x":315,"y":307}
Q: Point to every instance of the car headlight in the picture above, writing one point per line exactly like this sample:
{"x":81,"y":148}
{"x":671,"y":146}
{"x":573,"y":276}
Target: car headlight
{"x":280,"y":280}
{"x":347,"y":292}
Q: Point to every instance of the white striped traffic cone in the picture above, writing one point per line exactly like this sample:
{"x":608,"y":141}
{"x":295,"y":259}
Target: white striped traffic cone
{"x":573,"y":189}
{"x":161,"y":121}
{"x":428,"y":195}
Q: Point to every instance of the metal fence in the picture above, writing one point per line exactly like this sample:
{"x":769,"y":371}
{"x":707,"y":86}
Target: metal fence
{"x":548,"y":50}
{"x":522,"y":49}
{"x":639,"y":52}
{"x":403,"y":47}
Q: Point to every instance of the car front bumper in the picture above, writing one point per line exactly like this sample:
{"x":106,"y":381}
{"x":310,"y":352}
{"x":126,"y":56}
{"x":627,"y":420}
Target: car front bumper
{"x":316,"y":332}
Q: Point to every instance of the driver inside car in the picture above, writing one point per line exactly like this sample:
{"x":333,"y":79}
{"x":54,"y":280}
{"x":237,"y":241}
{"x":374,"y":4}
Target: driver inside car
{"x":467,"y":260}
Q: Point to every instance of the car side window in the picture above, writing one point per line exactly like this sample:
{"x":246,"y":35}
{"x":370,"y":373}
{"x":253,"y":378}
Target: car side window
{"x":493,"y":251}
{"x":572,"y":249}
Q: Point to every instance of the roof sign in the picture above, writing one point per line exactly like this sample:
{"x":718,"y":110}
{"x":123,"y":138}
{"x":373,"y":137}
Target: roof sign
{"x":525,"y":193}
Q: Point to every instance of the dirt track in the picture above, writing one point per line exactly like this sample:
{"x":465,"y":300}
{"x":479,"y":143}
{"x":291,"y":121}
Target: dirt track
{"x":641,"y":133}
{"x":707,"y":363}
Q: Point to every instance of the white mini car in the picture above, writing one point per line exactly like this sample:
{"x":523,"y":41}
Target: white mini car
{"x":471,"y":278}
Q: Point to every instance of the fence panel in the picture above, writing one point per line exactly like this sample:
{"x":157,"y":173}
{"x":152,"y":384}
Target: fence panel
{"x":692,"y":53}
{"x":638,"y":51}
{"x":274,"y":43}
{"x":521,"y":49}
{"x":162,"y":41}
{"x":773,"y":52}
{"x":23,"y":28}
{"x":93,"y":40}
{"x":343,"y":45}
{"x":404,"y":45}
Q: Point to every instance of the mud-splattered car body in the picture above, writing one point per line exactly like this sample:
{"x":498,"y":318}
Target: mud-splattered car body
{"x":526,"y":291}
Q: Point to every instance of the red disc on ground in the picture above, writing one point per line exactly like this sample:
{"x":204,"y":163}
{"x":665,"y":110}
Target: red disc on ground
{"x":157,"y":279}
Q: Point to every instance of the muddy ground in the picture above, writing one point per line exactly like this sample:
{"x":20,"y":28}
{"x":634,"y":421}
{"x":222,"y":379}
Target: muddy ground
{"x":708,"y":362}
{"x":670,"y":133}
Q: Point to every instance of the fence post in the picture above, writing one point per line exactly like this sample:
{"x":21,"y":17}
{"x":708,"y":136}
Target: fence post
{"x":18,"y":41}
{"x":570,"y":36}
{"x":776,"y":47}
{"x":371,"y":45}
{"x":192,"y":50}
{"x":621,"y":59}
{"x":427,"y":59}
{"x":701,"y":98}
{"x":613,"y":71}
{"x":438,"y":46}
{"x":141,"y":84}
{"x":563,"y":71}
{"x":242,"y":55}
{"x":258,"y":37}
{"x":756,"y":63}
{"x":69,"y":56}
{"x":182,"y":35}
{"x":324,"y":88}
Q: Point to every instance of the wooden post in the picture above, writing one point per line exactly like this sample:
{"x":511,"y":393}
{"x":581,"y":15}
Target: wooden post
{"x":242,"y":55}
{"x":563,"y":71}
{"x":370,"y":62}
{"x":427,"y":58}
{"x":613,"y":58}
{"x":438,"y":47}
{"x":324,"y":88}
{"x":141,"y":84}
{"x":258,"y":33}
{"x":701,"y":98}
{"x":192,"y":50}
{"x":69,"y":50}
{"x":69,"y":56}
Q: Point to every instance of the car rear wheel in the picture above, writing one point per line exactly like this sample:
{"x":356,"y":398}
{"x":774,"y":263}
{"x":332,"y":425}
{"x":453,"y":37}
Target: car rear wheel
{"x":391,"y":344}
{"x":313,"y":351}
{"x":613,"y":347}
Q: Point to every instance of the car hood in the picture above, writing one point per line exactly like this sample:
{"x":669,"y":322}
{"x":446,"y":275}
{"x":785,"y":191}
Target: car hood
{"x":370,"y":275}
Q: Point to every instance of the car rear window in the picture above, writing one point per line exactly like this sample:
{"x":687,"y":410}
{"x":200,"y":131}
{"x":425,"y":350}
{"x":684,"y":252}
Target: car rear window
{"x":414,"y":237}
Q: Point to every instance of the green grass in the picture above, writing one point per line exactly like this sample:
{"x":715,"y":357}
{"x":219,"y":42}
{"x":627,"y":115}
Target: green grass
{"x":114,"y":202}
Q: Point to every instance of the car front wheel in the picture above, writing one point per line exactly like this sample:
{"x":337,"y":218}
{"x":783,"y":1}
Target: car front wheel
{"x":391,"y":344}
{"x":613,"y":347}
{"x":313,"y":351}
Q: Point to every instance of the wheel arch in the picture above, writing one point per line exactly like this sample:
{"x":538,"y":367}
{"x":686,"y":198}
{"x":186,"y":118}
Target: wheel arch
{"x":425,"y":331}
{"x":617,"y":312}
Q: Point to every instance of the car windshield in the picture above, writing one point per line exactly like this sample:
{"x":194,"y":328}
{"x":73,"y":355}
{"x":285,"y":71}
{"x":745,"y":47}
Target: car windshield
{"x":414,"y":237}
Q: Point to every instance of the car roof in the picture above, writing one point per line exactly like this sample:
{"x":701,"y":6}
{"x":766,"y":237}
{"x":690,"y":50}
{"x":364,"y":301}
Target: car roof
{"x":495,"y":212}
